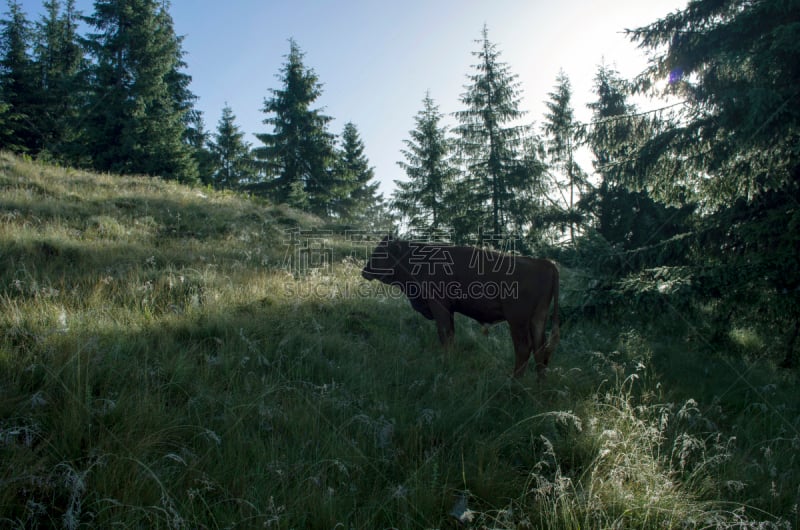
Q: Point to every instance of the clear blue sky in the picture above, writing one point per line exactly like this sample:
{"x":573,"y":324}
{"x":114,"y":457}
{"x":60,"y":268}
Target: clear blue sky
{"x":377,"y":59}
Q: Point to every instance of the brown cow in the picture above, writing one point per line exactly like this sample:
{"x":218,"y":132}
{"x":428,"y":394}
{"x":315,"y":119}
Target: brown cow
{"x":488,"y":286}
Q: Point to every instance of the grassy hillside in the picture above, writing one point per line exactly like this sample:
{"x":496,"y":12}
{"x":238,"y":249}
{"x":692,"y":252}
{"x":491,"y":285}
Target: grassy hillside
{"x":161,"y":367}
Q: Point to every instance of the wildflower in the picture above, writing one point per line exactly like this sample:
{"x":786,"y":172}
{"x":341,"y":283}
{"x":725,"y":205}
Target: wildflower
{"x":62,"y":321}
{"x":399,"y":492}
{"x":460,"y":511}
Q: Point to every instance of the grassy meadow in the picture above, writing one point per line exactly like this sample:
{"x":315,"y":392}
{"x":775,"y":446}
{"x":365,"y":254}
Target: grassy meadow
{"x":163,"y":365}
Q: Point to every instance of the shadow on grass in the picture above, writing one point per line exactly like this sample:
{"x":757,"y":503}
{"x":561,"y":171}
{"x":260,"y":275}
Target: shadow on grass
{"x":297,"y":409}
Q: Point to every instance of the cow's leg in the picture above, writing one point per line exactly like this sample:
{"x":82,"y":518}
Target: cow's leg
{"x":521,"y":336}
{"x":444,"y":323}
{"x":540,"y":352}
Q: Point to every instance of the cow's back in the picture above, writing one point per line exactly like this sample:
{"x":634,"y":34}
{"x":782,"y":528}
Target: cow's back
{"x":492,"y":287}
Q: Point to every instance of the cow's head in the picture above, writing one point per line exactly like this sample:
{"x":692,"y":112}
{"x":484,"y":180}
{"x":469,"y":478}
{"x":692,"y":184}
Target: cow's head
{"x":384,"y":262}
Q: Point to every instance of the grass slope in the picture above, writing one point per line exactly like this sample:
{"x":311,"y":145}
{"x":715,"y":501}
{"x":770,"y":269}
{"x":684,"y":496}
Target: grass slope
{"x":160,"y":368}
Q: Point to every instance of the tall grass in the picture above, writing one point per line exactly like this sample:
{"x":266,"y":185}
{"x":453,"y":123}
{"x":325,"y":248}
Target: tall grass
{"x":160,"y":367}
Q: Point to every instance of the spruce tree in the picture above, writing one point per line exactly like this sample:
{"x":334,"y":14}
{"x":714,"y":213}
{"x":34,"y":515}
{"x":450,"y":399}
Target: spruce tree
{"x":611,"y":135}
{"x":528,"y":205}
{"x":626,"y":218}
{"x":5,"y":132}
{"x":298,"y":155}
{"x":59,"y":62}
{"x":232,"y":157}
{"x":198,"y":140}
{"x":379,"y":217}
{"x":489,"y":141}
{"x":19,"y":92}
{"x":354,"y":191}
{"x":138,"y":109}
{"x":613,"y":125}
{"x":561,"y":131}
{"x":430,"y":171}
{"x":736,"y":66}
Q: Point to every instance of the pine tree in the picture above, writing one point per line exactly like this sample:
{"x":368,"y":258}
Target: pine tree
{"x":489,"y":142}
{"x":528,"y":205}
{"x":430,"y":171}
{"x":298,"y":154}
{"x":139,"y":103}
{"x":614,"y":125}
{"x":561,"y":131}
{"x":379,"y":218}
{"x":198,"y":140}
{"x":354,"y":193}
{"x":610,"y":138}
{"x":235,"y":166}
{"x":629,"y":219}
{"x":19,"y":92}
{"x":736,"y":66}
{"x":59,"y":62}
{"x":5,"y":132}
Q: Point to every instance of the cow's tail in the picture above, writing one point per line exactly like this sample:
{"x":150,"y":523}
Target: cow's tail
{"x":555,"y":334}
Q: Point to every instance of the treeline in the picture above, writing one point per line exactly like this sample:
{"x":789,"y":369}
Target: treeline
{"x":494,"y":175}
{"x":698,"y":201}
{"x":117,"y":99}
